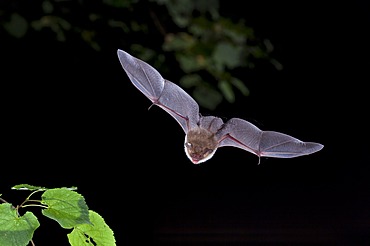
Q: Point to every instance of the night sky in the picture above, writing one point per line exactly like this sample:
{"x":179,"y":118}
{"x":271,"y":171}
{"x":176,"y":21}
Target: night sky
{"x":76,"y":120}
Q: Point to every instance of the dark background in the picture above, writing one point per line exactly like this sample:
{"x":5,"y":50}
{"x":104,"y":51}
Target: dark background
{"x":72,"y":118}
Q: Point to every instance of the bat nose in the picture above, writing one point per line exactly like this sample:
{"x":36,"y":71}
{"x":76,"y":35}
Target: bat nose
{"x":195,"y":160}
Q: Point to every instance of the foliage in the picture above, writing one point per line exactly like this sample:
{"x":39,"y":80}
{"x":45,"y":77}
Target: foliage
{"x":208,"y":47}
{"x":65,"y":206}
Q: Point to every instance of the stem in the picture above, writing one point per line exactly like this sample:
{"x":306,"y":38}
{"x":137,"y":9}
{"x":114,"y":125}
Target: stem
{"x":35,"y":205}
{"x":28,"y":198}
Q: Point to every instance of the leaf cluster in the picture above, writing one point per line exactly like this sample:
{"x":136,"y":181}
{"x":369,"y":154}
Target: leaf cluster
{"x":65,"y":206}
{"x":207,"y":47}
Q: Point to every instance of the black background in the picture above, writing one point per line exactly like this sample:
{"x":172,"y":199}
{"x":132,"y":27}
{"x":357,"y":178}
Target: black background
{"x":72,"y":118}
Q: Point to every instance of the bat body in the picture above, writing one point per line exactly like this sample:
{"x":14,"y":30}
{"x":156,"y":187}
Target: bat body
{"x":205,"y":134}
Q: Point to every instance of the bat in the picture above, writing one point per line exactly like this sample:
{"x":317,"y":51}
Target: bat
{"x":205,"y":134}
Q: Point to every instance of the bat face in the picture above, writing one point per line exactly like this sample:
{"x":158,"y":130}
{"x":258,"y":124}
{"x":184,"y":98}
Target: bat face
{"x":204,"y":135}
{"x":200,"y":145}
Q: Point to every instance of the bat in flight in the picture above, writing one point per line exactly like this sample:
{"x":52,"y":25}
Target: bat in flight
{"x":205,"y":134}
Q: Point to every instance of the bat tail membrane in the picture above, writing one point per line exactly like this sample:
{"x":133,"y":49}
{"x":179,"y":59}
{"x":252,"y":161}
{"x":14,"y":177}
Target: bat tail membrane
{"x":279,"y":145}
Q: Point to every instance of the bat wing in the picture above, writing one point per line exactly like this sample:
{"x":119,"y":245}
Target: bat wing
{"x":160,"y":91}
{"x":242,"y":134}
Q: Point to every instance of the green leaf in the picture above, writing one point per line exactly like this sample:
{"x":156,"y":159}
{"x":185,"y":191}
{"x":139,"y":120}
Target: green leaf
{"x":227,"y":91}
{"x":28,"y":187}
{"x":98,"y":233}
{"x":210,"y":6}
{"x":180,"y":41}
{"x":67,"y":207}
{"x":227,"y":55}
{"x":47,"y":7}
{"x":190,"y":80}
{"x":258,"y":52}
{"x":207,"y":97}
{"x":15,"y":230}
{"x":17,"y":26}
{"x":240,"y":85}
{"x":188,"y":63}
{"x":32,"y":187}
{"x":278,"y":66}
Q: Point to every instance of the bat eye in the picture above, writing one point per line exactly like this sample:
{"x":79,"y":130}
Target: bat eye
{"x":188,"y":145}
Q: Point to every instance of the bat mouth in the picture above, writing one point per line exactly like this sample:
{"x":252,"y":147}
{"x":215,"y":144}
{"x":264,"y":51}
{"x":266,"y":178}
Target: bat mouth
{"x":197,"y":158}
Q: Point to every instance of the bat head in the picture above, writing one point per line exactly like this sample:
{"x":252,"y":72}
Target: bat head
{"x":200,"y":145}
